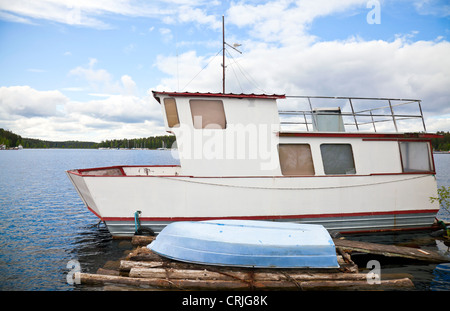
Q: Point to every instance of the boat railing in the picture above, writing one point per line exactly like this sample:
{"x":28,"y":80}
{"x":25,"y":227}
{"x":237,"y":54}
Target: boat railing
{"x":352,"y":113}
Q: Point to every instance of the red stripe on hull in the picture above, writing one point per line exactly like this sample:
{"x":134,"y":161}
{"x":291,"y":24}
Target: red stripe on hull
{"x":267,"y":217}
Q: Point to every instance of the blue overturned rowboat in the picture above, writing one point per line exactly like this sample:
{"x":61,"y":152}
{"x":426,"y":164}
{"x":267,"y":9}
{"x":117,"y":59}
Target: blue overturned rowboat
{"x":247,"y":243}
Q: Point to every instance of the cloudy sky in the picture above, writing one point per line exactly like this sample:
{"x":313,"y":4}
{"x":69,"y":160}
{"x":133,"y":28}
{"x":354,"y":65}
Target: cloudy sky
{"x":84,"y":70}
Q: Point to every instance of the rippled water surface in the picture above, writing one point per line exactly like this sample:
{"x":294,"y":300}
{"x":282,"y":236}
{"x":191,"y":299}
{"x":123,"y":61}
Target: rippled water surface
{"x":44,"y":224}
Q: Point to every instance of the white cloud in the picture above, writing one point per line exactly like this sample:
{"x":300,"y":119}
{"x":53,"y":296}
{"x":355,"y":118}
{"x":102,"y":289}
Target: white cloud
{"x":194,"y":73}
{"x":432,"y":7}
{"x":281,"y":56}
{"x":166,"y":34}
{"x":129,"y":48}
{"x":188,"y":14}
{"x":50,"y":115}
{"x":24,"y":101}
{"x":98,"y":79}
{"x":128,"y":84}
{"x":89,"y":13}
{"x":285,"y":21}
{"x":116,"y":108}
{"x":338,"y":68}
{"x":435,"y":124}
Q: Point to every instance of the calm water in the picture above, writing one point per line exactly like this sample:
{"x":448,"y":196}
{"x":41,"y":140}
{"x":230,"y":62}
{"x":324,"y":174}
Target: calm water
{"x":44,"y":224}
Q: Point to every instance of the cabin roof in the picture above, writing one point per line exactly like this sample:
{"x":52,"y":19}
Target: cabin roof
{"x":156,"y":94}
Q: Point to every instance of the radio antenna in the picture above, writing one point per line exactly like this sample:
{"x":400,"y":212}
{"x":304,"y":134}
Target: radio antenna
{"x":223,"y":53}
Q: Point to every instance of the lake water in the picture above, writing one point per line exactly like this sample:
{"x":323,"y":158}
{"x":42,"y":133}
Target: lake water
{"x":44,"y":224}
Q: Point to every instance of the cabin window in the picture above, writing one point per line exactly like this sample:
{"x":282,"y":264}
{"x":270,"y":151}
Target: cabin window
{"x":171,"y":112}
{"x":415,"y":156}
{"x":337,"y":159}
{"x":296,"y":159}
{"x":208,"y":114}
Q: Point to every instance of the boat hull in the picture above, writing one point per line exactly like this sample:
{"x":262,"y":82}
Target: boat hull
{"x":340,"y":203}
{"x":246,"y":243}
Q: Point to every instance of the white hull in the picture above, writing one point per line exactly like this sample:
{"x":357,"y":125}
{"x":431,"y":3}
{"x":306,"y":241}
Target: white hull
{"x":343,"y":203}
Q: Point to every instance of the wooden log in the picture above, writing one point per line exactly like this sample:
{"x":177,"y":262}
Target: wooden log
{"x":144,"y":254}
{"x":142,"y":240}
{"x":87,"y":278}
{"x":356,"y":285}
{"x":107,"y":271}
{"x":186,"y":274}
{"x":141,"y":272}
{"x":390,"y":250}
{"x":126,"y":265}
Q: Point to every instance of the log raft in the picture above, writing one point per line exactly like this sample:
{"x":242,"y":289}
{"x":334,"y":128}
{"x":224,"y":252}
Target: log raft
{"x":390,"y":250}
{"x":144,"y":269}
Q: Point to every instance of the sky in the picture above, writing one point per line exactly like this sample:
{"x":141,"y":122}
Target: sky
{"x":84,"y":70}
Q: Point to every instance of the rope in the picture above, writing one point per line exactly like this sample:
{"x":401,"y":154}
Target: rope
{"x":137,"y":223}
{"x":249,"y":282}
{"x":166,"y":269}
{"x":202,"y":69}
{"x":290,"y":279}
{"x":291,"y":188}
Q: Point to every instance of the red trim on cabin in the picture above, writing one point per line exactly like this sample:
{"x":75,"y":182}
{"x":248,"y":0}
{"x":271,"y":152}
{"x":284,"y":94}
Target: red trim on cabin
{"x":227,"y":95}
{"x":402,"y":173}
{"x":271,"y":216}
{"x":390,"y":230}
{"x":375,"y":136}
{"x":80,"y":173}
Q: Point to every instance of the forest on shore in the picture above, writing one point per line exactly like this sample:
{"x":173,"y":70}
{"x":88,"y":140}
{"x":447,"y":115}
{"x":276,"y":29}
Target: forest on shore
{"x":11,"y":140}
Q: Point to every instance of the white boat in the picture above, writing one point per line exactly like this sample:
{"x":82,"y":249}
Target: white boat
{"x":338,"y":167}
{"x":247,"y":243}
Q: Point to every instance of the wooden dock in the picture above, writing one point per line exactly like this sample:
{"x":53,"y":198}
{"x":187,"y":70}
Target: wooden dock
{"x":390,"y":251}
{"x":144,"y":269}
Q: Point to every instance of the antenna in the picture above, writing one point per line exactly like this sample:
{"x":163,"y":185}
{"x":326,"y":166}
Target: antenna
{"x":223,"y":54}
{"x":234,"y":47}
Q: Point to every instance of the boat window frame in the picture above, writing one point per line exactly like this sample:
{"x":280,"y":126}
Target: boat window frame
{"x":172,"y":117}
{"x":295,"y":172}
{"x":325,"y":164}
{"x":402,"y":151}
{"x":196,"y":104}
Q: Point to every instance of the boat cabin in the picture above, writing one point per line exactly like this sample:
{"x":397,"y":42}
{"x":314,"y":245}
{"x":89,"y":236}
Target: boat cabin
{"x":248,"y":135}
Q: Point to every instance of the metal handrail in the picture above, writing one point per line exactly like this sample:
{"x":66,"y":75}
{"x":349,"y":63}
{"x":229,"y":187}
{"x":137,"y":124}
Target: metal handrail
{"x":391,"y":104}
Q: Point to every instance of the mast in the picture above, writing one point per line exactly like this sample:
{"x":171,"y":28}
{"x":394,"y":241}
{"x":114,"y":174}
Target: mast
{"x":223,"y":54}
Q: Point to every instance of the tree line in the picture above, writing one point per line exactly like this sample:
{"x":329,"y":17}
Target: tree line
{"x":11,"y":140}
{"x":153,"y":142}
{"x":443,"y":143}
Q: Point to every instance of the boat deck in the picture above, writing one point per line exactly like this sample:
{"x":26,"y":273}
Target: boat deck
{"x":126,"y":170}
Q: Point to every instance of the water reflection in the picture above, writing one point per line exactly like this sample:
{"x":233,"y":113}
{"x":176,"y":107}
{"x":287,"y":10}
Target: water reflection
{"x":442,"y":277}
